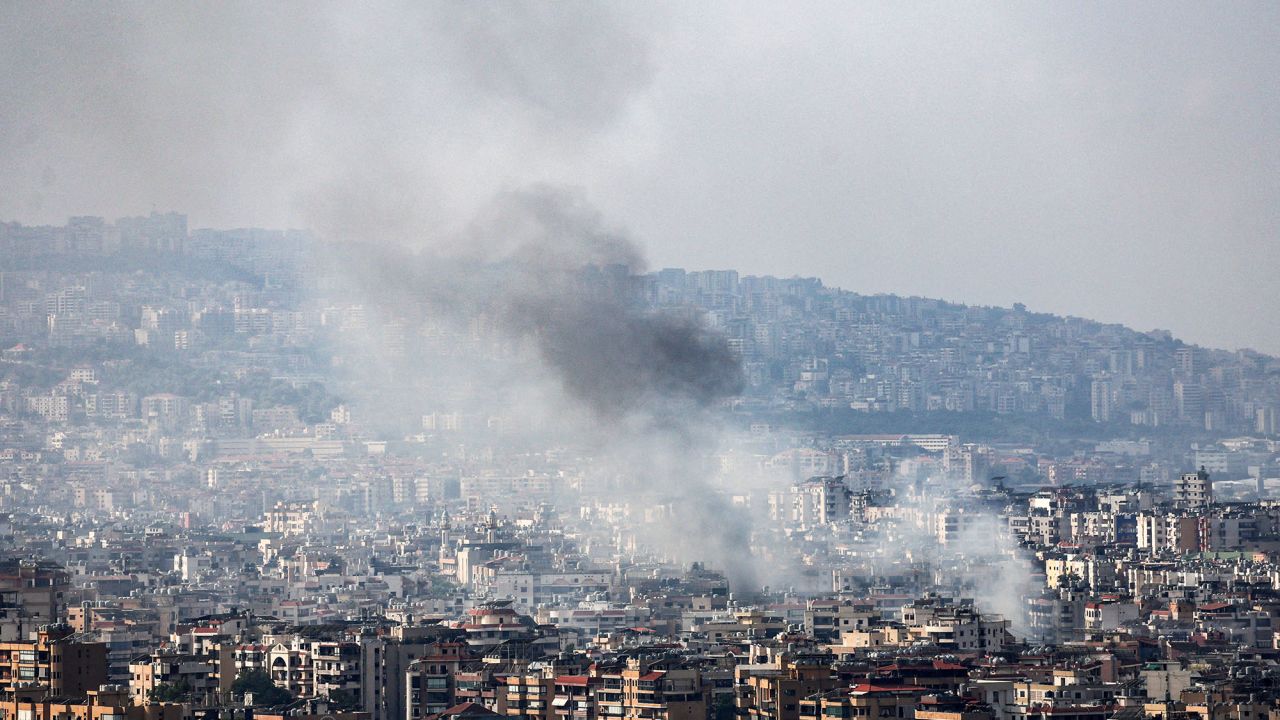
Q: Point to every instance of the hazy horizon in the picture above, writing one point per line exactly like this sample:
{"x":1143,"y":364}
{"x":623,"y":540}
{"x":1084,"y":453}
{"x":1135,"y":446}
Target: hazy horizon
{"x":1117,"y":162}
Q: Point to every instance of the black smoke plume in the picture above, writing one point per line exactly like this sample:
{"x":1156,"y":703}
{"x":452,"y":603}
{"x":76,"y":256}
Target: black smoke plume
{"x":541,"y":265}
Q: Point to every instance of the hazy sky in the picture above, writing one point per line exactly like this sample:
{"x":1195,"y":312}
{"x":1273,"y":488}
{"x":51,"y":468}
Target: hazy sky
{"x":1118,"y":161}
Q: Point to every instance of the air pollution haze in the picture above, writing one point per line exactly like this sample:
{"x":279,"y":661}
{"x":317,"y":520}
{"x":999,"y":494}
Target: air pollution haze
{"x":396,"y":132}
{"x":357,"y":333}
{"x":543,"y":267}
{"x":991,"y":153}
{"x":642,"y":387}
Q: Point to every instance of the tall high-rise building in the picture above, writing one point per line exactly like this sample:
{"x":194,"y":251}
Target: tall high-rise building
{"x":1101,"y":400}
{"x":1184,"y":360}
{"x":1190,"y":399}
{"x":1265,"y":421}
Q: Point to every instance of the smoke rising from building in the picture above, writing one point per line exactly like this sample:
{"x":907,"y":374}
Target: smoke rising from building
{"x":542,"y":266}
{"x":384,"y":129}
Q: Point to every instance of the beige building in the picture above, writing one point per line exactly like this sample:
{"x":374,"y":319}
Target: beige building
{"x":56,"y":660}
{"x":652,"y":690}
{"x":863,"y":701}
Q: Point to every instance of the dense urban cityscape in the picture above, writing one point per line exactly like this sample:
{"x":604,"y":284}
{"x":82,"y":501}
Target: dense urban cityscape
{"x":240,"y":481}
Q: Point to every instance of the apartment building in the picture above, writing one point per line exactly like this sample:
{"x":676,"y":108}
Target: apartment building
{"x":64,"y":663}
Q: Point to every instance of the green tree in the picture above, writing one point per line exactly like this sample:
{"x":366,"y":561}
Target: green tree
{"x":265,"y":692}
{"x":723,"y":708}
{"x":171,"y":692}
{"x":344,"y":700}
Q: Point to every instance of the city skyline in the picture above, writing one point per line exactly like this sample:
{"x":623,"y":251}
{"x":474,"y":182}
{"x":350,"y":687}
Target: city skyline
{"x":350,"y":368}
{"x":652,"y":267}
{"x":1097,"y":162}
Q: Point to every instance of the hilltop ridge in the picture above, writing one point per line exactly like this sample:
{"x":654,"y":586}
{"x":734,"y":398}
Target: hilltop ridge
{"x":804,"y":346}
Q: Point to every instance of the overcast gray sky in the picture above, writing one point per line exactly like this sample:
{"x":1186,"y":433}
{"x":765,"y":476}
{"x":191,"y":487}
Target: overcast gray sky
{"x":1118,"y":161}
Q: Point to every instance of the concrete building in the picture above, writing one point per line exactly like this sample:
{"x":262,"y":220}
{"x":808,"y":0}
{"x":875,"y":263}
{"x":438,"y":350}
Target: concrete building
{"x":62,"y":662}
{"x":1193,"y":491}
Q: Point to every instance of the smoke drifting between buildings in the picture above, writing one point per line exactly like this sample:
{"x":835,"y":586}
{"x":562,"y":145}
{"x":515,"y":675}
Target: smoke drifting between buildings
{"x":334,"y":385}
{"x":543,"y":267}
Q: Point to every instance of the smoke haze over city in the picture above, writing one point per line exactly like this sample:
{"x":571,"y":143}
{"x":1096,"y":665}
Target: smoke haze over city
{"x":1096,"y":160}
{"x":350,"y":368}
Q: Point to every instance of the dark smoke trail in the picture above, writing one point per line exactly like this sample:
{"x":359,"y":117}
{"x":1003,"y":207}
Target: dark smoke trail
{"x":542,"y":265}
